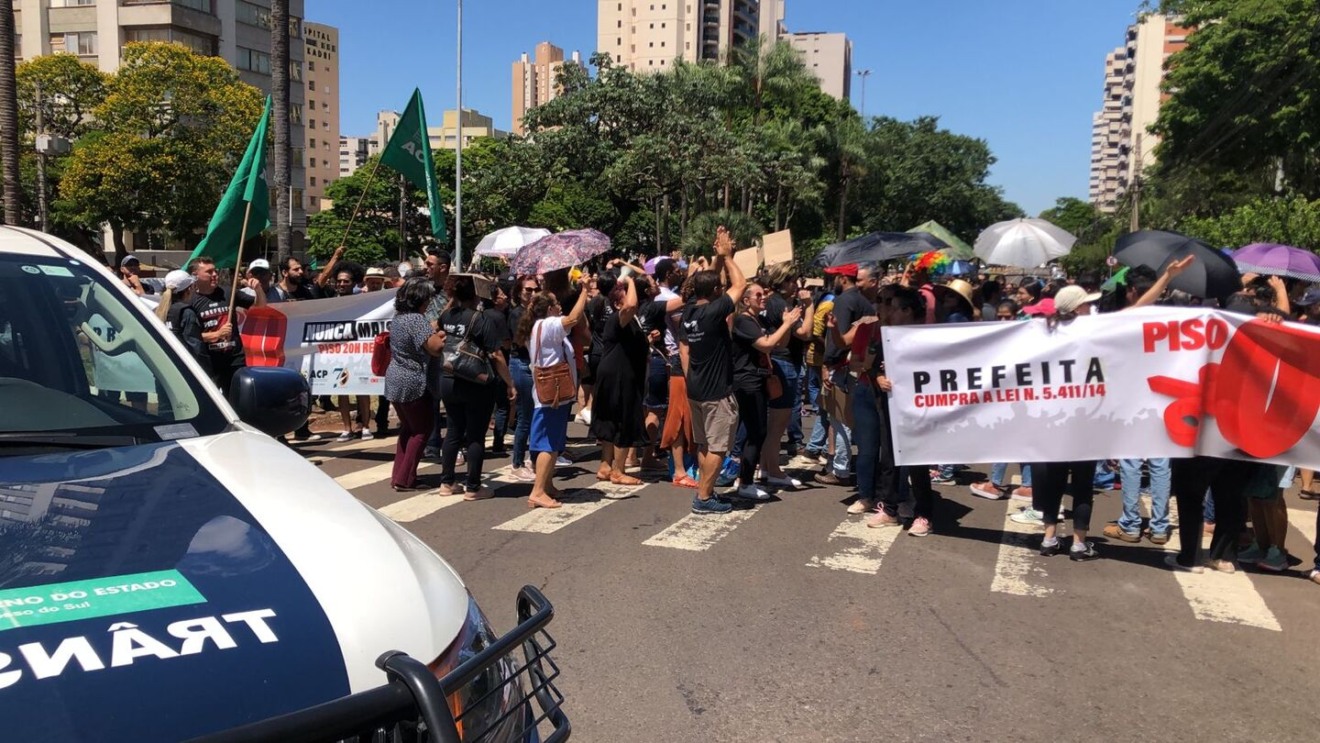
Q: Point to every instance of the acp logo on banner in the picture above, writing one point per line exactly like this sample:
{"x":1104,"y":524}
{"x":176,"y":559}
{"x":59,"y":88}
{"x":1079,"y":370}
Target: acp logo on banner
{"x":1264,"y":393}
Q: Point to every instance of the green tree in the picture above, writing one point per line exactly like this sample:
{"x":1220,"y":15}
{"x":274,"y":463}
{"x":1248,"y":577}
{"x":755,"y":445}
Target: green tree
{"x":375,"y":232}
{"x":1242,"y":91}
{"x":70,"y":90}
{"x":172,"y":128}
{"x":1292,"y":221}
{"x":1095,"y":231}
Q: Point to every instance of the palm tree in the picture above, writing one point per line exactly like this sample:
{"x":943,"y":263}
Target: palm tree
{"x":9,"y":114}
{"x":849,"y":143}
{"x":279,"y":90}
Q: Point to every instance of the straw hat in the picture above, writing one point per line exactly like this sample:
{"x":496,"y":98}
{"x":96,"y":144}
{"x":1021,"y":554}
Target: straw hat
{"x":960,"y":288}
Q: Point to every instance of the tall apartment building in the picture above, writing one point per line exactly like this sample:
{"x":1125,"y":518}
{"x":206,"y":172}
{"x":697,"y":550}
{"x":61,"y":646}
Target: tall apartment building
{"x":535,"y":80}
{"x":772,"y":21}
{"x":236,"y":30}
{"x":1122,"y":146}
{"x":321,"y":51}
{"x":829,"y":57}
{"x":648,"y":36}
{"x":353,"y":153}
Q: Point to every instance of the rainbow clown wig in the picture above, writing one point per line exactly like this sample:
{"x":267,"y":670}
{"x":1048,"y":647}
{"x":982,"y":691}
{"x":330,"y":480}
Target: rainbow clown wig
{"x":934,"y":262}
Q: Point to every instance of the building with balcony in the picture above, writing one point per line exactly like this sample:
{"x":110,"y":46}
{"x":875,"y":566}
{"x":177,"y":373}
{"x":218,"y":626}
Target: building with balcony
{"x":1122,"y":145}
{"x":648,"y":36}
{"x":829,"y":57}
{"x":536,"y":80}
{"x":353,"y":153}
{"x":236,"y":30}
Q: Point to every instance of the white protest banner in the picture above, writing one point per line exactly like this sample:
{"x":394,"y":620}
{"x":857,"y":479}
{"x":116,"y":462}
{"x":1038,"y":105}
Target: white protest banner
{"x":1154,"y":382}
{"x":329,"y":340}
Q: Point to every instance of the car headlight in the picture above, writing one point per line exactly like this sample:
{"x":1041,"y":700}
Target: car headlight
{"x":485,"y":707}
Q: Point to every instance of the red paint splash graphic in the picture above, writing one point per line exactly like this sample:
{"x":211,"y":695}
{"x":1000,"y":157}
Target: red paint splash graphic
{"x":1264,"y":393}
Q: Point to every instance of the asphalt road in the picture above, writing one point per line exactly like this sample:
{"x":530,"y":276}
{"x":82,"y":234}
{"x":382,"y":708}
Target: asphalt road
{"x":793,"y":622}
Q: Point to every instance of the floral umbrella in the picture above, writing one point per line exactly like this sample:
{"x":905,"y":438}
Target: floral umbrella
{"x":561,"y":250}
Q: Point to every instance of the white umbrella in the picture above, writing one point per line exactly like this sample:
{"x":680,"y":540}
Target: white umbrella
{"x":1025,"y":243}
{"x":507,"y":241}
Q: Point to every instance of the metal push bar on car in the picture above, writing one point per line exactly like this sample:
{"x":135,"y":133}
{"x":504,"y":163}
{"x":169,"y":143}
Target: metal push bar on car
{"x":414,"y":706}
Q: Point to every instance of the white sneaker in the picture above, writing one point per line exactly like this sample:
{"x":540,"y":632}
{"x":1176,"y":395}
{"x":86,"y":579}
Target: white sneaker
{"x":367,"y":435}
{"x":1028,"y":516}
{"x":783,"y":482}
{"x":345,"y":436}
{"x":563,"y":461}
{"x":585,"y":416}
{"x":751,"y":492}
{"x":859,"y":507}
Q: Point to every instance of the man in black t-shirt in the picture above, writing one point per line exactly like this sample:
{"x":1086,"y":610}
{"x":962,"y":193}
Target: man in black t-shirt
{"x":220,"y":329}
{"x":853,"y":308}
{"x":710,"y":370}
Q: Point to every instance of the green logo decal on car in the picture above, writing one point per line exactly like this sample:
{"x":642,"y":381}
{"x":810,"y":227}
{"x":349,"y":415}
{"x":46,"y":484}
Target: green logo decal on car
{"x":100,"y":597}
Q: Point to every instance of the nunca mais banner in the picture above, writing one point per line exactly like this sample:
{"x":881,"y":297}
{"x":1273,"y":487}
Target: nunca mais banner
{"x":328,"y":340}
{"x":1154,"y":382}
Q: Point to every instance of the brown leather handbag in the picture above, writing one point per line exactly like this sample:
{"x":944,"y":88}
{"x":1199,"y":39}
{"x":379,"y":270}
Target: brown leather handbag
{"x":554,"y":383}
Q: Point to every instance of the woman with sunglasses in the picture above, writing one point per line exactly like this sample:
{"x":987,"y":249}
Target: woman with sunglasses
{"x":752,"y":344}
{"x":520,"y":368}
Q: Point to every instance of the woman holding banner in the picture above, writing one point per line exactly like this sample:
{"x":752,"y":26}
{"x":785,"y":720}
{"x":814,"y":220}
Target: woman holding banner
{"x":413,"y":345}
{"x":1052,"y":479}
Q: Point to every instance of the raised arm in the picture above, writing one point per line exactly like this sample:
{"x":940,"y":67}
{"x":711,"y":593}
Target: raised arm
{"x":1156,"y":290}
{"x":724,"y":249}
{"x":324,"y":277}
{"x":628,"y":312}
{"x":575,"y":316}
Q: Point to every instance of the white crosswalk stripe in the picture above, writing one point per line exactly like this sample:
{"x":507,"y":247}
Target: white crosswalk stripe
{"x":578,"y":504}
{"x":857,"y":547}
{"x":419,"y":506}
{"x":700,"y":532}
{"x":1221,"y":597}
{"x":1017,"y":569}
{"x":1303,"y":521}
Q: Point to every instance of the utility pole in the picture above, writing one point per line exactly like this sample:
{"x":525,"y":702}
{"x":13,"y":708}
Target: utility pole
{"x":863,"y":74}
{"x":458,"y":152}
{"x":1136,"y":187}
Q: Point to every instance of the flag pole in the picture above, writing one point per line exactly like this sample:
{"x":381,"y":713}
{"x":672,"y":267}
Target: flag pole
{"x":371,"y":177}
{"x":238,"y":263}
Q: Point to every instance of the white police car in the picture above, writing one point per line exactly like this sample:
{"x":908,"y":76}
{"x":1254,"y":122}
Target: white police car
{"x":169,"y":572}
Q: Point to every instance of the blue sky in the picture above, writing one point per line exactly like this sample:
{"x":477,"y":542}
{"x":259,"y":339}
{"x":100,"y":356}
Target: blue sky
{"x":1025,"y":75}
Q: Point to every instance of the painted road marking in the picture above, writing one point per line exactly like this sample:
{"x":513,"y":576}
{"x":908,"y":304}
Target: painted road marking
{"x":1221,"y":597}
{"x":419,"y":506}
{"x":698,"y":533}
{"x":578,"y":504}
{"x":1018,"y":569}
{"x":857,"y":547}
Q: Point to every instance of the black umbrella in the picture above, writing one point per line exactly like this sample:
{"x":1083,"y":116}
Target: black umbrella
{"x":1212,"y":275}
{"x":878,"y":247}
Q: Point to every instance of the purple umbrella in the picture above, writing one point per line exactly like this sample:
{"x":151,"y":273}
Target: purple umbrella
{"x":561,"y":250}
{"x":1278,"y":260}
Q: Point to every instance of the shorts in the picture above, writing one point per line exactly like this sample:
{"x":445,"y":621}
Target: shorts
{"x":788,"y":380}
{"x":550,"y":429}
{"x":678,"y":417}
{"x":657,"y":384}
{"x":714,"y":423}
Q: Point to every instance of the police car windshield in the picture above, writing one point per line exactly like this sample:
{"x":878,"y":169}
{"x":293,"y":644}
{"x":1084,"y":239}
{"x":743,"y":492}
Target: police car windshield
{"x":79,"y":365}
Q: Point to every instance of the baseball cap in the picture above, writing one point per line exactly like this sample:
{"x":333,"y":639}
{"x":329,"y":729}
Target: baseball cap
{"x":130,"y":258}
{"x":1043,"y":307}
{"x":845,"y":270}
{"x":1071,"y":297}
{"x":260,"y":264}
{"x":177,"y":281}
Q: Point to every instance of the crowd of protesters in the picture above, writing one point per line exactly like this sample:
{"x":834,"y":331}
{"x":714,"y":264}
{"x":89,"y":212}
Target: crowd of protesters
{"x":697,"y":374}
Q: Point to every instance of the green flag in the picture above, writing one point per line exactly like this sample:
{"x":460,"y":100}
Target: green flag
{"x":222,"y":241}
{"x":409,"y":152}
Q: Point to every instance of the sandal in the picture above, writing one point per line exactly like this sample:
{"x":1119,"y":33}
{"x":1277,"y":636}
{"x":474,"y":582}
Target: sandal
{"x":1310,"y":495}
{"x":542,"y":501}
{"x":628,"y":480}
{"x":482,"y":494}
{"x":604,"y":473}
{"x":683,"y":481}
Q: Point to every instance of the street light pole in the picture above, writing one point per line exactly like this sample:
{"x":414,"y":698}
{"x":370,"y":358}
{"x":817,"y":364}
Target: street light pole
{"x":458,"y":152}
{"x":863,"y":74}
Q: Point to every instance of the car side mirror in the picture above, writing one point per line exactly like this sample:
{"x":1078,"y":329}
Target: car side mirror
{"x":273,"y":399}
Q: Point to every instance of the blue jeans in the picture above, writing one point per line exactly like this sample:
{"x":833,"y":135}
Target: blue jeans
{"x":792,"y":379}
{"x":1000,"y":470}
{"x":866,"y":422}
{"x":522,"y":381}
{"x":1160,"y":482}
{"x":1209,"y":508}
{"x":821,"y":428}
{"x":842,"y":434}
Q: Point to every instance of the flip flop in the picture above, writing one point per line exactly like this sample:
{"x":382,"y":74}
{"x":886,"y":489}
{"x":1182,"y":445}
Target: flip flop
{"x":1309,"y":495}
{"x":627,"y":480}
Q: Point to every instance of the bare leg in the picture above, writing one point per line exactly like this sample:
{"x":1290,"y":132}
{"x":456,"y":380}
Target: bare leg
{"x":345,"y":413}
{"x":709,"y":463}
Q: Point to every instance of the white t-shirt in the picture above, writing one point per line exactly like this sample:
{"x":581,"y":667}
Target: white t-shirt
{"x":554,"y":348}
